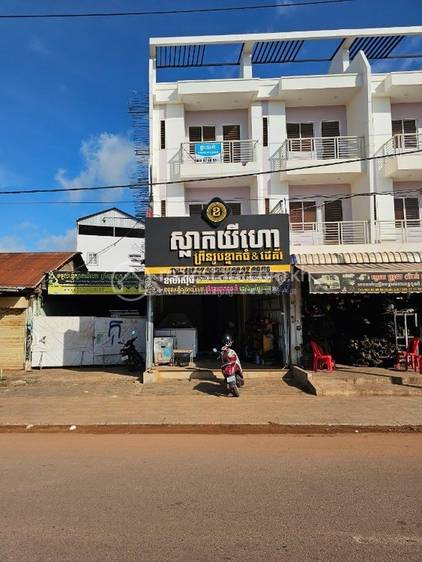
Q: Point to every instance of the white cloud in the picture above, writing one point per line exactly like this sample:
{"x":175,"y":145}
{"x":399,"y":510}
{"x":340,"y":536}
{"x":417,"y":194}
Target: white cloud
{"x":11,"y":243}
{"x":108,"y":159}
{"x":36,"y":45}
{"x":58,"y":242}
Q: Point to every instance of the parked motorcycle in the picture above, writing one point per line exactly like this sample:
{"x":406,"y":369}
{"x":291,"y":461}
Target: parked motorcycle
{"x":131,"y":356}
{"x":230,"y":367}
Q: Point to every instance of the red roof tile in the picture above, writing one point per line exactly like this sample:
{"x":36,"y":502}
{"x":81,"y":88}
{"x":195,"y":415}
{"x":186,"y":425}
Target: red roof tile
{"x":27,"y":269}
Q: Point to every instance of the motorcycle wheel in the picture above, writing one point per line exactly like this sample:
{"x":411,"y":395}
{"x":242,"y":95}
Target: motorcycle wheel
{"x":235,"y":391}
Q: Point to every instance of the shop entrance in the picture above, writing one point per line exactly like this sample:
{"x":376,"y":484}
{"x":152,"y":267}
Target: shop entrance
{"x":256,"y":323}
{"x":361,"y":329}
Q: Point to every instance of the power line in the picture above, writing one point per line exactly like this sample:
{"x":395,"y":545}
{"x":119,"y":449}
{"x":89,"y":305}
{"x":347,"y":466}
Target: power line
{"x":170,"y":12}
{"x":194,"y":180}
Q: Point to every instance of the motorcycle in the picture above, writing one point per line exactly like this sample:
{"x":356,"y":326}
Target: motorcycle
{"x":231,"y":368}
{"x":131,"y":356}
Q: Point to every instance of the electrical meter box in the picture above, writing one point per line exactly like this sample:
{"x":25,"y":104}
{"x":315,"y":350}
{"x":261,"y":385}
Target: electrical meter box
{"x":163,"y":350}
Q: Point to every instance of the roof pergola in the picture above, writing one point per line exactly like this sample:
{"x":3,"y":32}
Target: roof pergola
{"x":282,"y":48}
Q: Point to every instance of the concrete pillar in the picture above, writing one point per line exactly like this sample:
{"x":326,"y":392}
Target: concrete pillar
{"x":246,"y":62}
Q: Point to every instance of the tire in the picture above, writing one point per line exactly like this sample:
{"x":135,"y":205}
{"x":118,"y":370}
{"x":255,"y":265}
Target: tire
{"x":235,"y":391}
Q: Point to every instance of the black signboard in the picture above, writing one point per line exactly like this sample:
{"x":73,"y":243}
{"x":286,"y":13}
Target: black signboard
{"x":239,"y":255}
{"x":367,"y":282}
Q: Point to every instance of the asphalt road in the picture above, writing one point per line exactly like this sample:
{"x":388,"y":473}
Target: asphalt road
{"x":69,"y":497}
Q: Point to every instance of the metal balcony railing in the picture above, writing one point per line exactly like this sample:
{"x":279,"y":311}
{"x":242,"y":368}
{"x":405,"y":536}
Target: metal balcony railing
{"x":323,"y":148}
{"x":211,"y":152}
{"x":400,"y":144}
{"x":409,"y":230}
{"x":318,"y":233}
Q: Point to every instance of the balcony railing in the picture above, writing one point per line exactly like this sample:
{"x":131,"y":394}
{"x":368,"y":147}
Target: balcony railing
{"x":323,"y":148}
{"x":318,"y":233}
{"x":211,"y":152}
{"x":354,"y":232}
{"x":409,"y":230}
{"x":400,"y":144}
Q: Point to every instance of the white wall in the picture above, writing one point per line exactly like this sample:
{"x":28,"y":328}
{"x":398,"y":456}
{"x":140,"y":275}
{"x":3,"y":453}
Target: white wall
{"x":62,"y":341}
{"x":316,"y":115}
{"x":116,"y":257}
{"x":408,"y":111}
{"x":320,"y":193}
{"x":359,"y":119}
{"x":217,"y":119}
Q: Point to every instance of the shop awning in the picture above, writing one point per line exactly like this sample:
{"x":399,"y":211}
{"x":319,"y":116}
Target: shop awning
{"x":364,"y":277}
{"x":385,"y":257}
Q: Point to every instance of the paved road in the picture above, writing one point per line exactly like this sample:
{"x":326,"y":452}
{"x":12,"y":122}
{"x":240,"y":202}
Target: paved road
{"x":146,"y":497}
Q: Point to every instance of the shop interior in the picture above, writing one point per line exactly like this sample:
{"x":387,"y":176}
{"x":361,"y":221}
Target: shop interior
{"x":360,"y":329}
{"x":256,"y":324}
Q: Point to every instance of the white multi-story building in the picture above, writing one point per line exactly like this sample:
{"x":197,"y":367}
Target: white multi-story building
{"x":312,"y":146}
{"x":111,"y":240}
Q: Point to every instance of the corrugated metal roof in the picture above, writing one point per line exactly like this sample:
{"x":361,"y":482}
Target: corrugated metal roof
{"x":27,"y":269}
{"x":361,"y":268}
{"x":357,"y":257}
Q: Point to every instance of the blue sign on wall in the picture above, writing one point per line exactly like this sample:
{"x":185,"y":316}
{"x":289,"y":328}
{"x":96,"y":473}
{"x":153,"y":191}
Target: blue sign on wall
{"x":207,"y":149}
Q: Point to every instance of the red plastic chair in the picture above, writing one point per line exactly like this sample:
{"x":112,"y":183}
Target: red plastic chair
{"x":410,"y":357}
{"x":320,"y":358}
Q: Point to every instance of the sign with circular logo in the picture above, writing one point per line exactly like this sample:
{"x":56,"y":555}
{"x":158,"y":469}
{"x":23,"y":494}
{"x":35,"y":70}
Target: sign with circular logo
{"x":216,"y":212}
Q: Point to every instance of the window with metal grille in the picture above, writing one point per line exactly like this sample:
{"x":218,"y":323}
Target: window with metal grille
{"x":333,"y":211}
{"x":201,"y":134}
{"x":302,"y":215}
{"x":163,"y":207}
{"x":162,"y":134}
{"x":92,"y":258}
{"x":196,"y":208}
{"x":406,"y":210}
{"x":404,"y":133}
{"x":298,"y":133}
{"x":265,"y":131}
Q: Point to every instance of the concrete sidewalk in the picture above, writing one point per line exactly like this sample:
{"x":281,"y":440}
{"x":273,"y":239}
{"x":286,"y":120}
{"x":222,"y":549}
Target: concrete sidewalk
{"x":65,"y":397}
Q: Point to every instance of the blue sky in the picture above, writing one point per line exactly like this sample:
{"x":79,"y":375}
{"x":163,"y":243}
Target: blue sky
{"x":65,"y":87}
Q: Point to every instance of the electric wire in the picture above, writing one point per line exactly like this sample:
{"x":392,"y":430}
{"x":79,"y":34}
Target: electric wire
{"x":207,"y":179}
{"x":186,"y":11}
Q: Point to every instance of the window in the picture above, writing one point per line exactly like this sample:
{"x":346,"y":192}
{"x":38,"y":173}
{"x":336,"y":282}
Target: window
{"x":162,"y":135}
{"x":404,"y":133}
{"x":196,"y":208}
{"x":406,"y":209}
{"x":333,"y":211}
{"x":302,"y":214}
{"x":163,"y":207}
{"x":267,"y":206}
{"x":298,"y":133}
{"x":201,"y":134}
{"x":265,"y":131}
{"x":330,"y":146}
{"x":91,"y":258}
